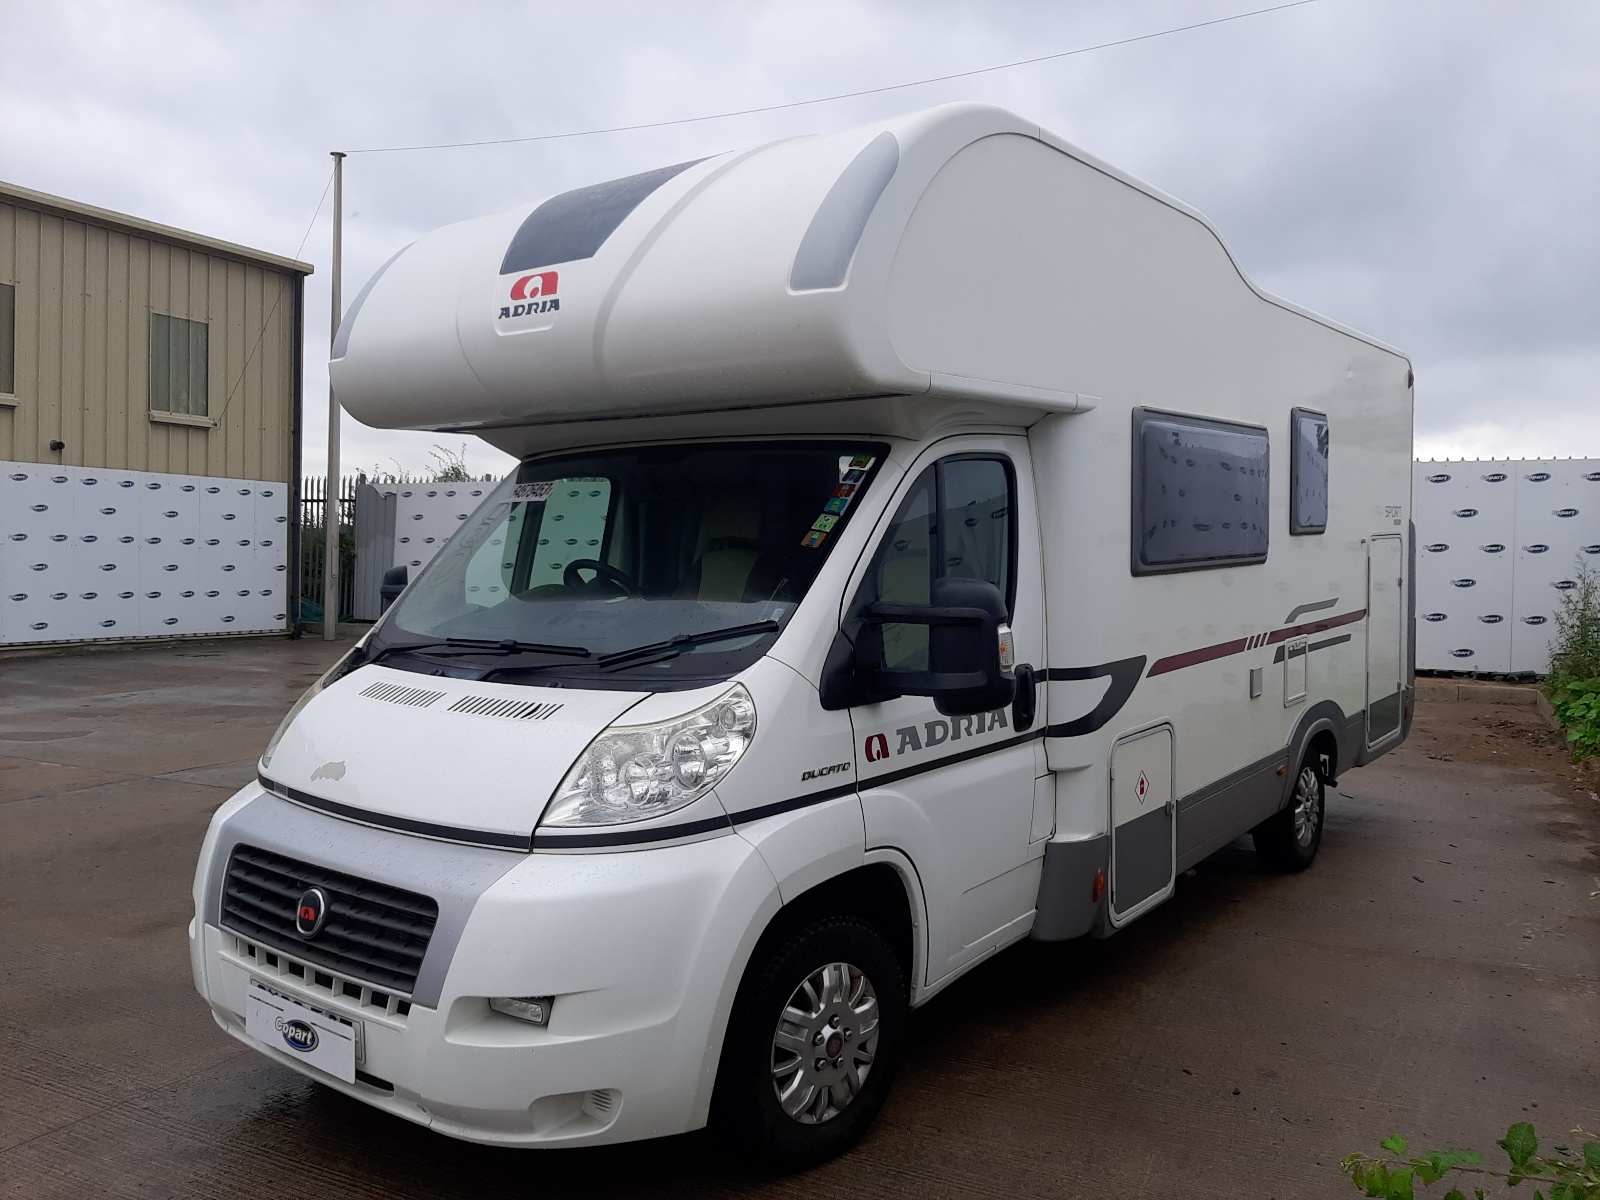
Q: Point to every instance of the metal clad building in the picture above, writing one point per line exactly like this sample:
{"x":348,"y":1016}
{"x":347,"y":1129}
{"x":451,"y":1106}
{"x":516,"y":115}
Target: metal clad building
{"x":160,"y":369}
{"x":86,"y":284}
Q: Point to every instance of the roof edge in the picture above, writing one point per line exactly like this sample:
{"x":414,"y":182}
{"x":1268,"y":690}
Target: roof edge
{"x":122,"y":222}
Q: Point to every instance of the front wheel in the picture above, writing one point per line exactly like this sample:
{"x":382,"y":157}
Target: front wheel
{"x":1288,"y":840}
{"x":812,"y":1045}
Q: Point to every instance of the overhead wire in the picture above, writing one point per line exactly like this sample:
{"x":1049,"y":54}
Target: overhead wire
{"x":872,"y":91}
{"x":266,"y":322}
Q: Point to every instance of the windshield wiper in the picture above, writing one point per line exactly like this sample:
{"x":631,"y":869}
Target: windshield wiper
{"x":451,"y":647}
{"x":677,"y":645}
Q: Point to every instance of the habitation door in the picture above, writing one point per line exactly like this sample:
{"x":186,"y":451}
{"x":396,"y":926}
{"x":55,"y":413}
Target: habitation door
{"x":955,"y":794}
{"x":1386,"y":608}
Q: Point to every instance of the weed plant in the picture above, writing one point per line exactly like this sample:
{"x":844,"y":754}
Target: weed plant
{"x":1574,"y":682}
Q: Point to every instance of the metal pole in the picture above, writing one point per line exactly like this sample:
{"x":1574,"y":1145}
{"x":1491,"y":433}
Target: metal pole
{"x":330,"y":528}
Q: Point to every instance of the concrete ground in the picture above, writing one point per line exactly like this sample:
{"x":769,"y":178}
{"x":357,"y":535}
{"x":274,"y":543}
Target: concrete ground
{"x":1437,"y":972}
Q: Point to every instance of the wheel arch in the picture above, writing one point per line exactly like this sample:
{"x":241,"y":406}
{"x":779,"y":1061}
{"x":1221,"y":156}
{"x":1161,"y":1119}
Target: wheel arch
{"x":1317,"y":732}
{"x":883,"y":892}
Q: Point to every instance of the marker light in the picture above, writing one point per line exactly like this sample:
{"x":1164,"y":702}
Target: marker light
{"x":1008,"y":649}
{"x":634,"y":772}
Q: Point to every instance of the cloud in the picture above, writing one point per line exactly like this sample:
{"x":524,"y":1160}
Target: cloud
{"x":1424,"y":172}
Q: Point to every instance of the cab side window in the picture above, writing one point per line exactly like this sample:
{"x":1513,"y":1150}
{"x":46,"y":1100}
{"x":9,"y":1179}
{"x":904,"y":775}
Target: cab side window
{"x":958,"y":520}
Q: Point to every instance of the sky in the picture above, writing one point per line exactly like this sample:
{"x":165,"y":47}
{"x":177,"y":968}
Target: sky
{"x":1426,"y":171}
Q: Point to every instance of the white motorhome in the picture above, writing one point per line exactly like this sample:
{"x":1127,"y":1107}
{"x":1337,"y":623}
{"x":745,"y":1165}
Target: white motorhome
{"x":925,"y":538}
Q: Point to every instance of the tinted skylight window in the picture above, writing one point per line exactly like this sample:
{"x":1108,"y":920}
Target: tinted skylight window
{"x":575,"y":224}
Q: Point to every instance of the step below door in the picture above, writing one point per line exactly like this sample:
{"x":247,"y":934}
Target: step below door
{"x":1143,"y":841}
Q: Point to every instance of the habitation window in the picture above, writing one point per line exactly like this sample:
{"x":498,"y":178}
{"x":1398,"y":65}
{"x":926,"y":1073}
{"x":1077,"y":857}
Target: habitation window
{"x":1199,"y":493}
{"x":178,"y":366}
{"x":1308,"y":471}
{"x":8,"y":339}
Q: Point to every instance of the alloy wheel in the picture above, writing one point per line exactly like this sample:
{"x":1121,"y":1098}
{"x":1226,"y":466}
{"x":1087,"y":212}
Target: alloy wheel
{"x":823,"y":1048}
{"x":1307,"y":806}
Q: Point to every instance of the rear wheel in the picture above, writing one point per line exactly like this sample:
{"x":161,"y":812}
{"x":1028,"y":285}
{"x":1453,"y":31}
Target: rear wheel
{"x":1288,"y":840}
{"x":812,"y":1045}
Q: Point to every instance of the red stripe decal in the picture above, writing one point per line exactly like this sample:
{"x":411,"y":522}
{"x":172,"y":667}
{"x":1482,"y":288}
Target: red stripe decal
{"x":1190,"y":658}
{"x":1295,"y":631}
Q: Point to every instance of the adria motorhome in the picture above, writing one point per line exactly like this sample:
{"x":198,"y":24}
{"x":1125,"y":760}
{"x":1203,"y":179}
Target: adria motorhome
{"x":925,"y":538}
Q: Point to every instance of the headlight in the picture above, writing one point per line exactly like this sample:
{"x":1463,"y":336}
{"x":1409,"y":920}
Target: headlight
{"x":632,"y":772}
{"x":338,"y":671}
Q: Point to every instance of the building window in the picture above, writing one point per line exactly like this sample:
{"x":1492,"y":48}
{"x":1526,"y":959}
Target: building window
{"x":1308,"y":471}
{"x":178,"y":366}
{"x":8,"y":339}
{"x":1199,"y":493}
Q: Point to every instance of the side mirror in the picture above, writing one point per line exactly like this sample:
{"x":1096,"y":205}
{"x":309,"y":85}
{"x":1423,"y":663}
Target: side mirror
{"x":394,"y":582}
{"x":969,"y":652}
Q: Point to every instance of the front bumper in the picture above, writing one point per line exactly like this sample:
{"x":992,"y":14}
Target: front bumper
{"x":641,"y":950}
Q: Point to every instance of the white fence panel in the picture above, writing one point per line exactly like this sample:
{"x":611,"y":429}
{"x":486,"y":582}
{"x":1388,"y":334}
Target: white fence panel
{"x":1498,"y":542}
{"x":427,"y":514}
{"x":89,"y":554}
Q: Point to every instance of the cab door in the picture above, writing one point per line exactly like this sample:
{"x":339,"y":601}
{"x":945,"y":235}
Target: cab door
{"x":956,"y":793}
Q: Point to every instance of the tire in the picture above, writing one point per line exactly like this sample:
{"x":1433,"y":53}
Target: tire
{"x":781,"y":1103}
{"x":1288,"y":840}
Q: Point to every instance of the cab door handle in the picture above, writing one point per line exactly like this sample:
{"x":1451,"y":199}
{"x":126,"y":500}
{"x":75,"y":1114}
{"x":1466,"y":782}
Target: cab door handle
{"x":1024,"y":708}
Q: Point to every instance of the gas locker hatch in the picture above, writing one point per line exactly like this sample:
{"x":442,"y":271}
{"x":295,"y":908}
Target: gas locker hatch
{"x":1143,"y":825}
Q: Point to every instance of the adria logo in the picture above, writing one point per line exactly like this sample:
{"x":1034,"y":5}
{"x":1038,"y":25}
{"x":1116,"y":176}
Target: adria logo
{"x":533,"y":294}
{"x":531,"y":287}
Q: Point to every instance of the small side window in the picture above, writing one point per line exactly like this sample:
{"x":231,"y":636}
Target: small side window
{"x":8,"y":339}
{"x":179,"y":366}
{"x":958,"y":521}
{"x":1308,"y":471}
{"x":1200,"y":493}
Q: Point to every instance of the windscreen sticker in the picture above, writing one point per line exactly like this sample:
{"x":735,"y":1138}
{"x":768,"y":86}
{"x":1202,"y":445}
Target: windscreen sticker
{"x":825,"y":523}
{"x":845,"y":489}
{"x":537,"y":492}
{"x":837,"y":505}
{"x":813,"y":539}
{"x":862,"y":462}
{"x":854,"y":475}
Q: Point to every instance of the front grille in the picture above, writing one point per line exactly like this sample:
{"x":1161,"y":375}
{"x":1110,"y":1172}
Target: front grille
{"x":372,"y":932}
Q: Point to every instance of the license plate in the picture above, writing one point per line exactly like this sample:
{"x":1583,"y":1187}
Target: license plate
{"x":324,"y":1039}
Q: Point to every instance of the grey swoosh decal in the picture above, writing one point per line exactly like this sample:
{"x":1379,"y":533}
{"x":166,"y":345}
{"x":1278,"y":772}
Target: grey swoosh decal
{"x":1305,"y":608}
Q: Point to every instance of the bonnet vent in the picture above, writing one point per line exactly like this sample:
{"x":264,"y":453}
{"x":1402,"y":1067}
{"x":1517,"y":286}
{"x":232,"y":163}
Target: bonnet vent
{"x":397,"y":693}
{"x":499,"y":706}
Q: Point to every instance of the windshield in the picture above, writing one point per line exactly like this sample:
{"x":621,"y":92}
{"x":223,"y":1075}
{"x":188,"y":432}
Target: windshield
{"x":639,"y":567}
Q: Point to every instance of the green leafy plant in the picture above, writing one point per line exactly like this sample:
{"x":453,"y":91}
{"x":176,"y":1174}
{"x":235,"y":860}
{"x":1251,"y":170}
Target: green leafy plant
{"x":450,"y":466}
{"x":1577,"y":706}
{"x":1575,"y":649}
{"x":1574,"y":682}
{"x":1561,"y":1176}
